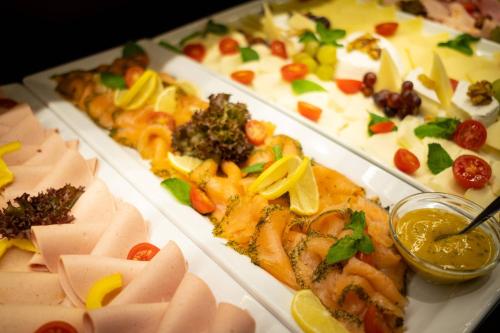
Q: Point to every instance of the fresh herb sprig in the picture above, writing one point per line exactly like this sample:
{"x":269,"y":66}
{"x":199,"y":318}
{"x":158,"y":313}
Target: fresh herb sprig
{"x":323,"y":35}
{"x":439,"y":128}
{"x":461,"y":43}
{"x":438,"y":159}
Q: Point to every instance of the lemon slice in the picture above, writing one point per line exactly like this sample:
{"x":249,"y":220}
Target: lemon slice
{"x":312,"y":316}
{"x":183,"y":164}
{"x":157,"y":93}
{"x":188,"y":88}
{"x":140,"y":92}
{"x":304,"y":196}
{"x":167,"y":100}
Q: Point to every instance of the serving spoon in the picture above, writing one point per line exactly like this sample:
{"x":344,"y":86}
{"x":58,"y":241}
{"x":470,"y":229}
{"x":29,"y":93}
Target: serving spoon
{"x":483,"y":216}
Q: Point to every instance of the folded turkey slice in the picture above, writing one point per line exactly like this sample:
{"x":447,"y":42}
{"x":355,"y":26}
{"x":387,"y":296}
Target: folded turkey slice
{"x":232,"y":319}
{"x":30,"y":288}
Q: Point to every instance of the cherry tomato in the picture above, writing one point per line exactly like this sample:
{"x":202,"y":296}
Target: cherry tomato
{"x":470,"y":7}
{"x":200,"y":201}
{"x":349,"y":86}
{"x":406,"y":161}
{"x":309,"y":111}
{"x":228,"y":45}
{"x":382,"y":127}
{"x":7,"y":103}
{"x":243,"y":77}
{"x":56,"y":327}
{"x":142,"y":252}
{"x":454,"y":84}
{"x":292,"y":72}
{"x":195,"y":51}
{"x":374,"y":321}
{"x":386,"y":29}
{"x":278,"y":48}
{"x":132,"y":74}
{"x":366,"y":257}
{"x":470,"y":134}
{"x":471,"y":171}
{"x":256,"y":132}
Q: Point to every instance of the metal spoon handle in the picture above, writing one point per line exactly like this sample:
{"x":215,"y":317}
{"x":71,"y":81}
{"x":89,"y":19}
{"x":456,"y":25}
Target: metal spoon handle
{"x":486,"y":213}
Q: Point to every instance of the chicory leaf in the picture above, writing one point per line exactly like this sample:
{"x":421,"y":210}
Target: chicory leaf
{"x":179,"y":188}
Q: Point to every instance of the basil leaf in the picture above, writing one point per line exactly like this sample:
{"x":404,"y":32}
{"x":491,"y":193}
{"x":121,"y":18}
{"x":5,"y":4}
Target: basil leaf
{"x":169,"y":46}
{"x":179,"y":188}
{"x":254,"y":168}
{"x":440,"y":128}
{"x":131,"y":49}
{"x":461,"y":43}
{"x":437,"y":158}
{"x":329,"y":36}
{"x":343,"y":249}
{"x":113,"y":81}
{"x":375,"y":119}
{"x":215,"y":28}
{"x":189,"y":37}
{"x":248,"y":54}
{"x":278,"y":152}
{"x":304,"y":86}
{"x":308,"y":36}
{"x":357,"y":224}
{"x":365,"y":244}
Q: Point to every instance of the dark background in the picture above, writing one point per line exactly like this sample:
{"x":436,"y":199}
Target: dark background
{"x":37,"y":34}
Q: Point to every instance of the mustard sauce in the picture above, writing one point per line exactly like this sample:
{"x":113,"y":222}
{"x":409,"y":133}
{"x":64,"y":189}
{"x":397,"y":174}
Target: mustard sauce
{"x":418,"y":230}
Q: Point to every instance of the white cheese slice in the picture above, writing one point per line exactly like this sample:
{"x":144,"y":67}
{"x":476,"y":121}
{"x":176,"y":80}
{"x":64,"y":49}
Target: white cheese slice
{"x":487,"y":114}
{"x":419,"y":87}
{"x":495,"y":179}
{"x":388,"y":76}
{"x":445,"y":182}
{"x":482,"y":197}
{"x":493,"y":138}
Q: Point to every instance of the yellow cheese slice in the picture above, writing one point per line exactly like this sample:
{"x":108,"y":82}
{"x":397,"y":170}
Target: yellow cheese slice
{"x":493,"y":138}
{"x":388,"y":76}
{"x":443,"y":88}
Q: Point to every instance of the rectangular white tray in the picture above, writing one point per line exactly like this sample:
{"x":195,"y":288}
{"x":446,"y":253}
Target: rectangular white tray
{"x":161,"y":229}
{"x":431,"y":308}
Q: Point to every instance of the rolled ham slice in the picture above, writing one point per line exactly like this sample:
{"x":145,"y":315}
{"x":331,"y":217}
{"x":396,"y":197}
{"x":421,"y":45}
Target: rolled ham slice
{"x":28,"y":318}
{"x":130,"y":318}
{"x":22,"y":155}
{"x":30,"y":288}
{"x":58,"y":239}
{"x":49,"y":152}
{"x":159,"y":280}
{"x":77,"y":273}
{"x":232,"y":319}
{"x":15,"y":260}
{"x":37,"y":263}
{"x":95,"y":205}
{"x":126,"y":230}
{"x":192,"y":309}
{"x":25,"y":179}
{"x":15,"y":115}
{"x":28,"y":131}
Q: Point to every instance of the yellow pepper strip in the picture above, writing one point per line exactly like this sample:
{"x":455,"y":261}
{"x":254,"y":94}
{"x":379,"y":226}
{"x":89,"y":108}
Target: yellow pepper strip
{"x":6,"y":176}
{"x":23,"y":244}
{"x":101,"y":288}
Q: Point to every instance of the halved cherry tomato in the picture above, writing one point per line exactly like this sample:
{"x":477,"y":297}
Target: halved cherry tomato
{"x":471,"y":171}
{"x":454,"y":84}
{"x":382,"y":127}
{"x":243,"y":77}
{"x":349,"y":86}
{"x":406,"y":161}
{"x":374,"y":321}
{"x":470,"y":134}
{"x":256,"y":132}
{"x":143,"y":252}
{"x":278,"y":48}
{"x":228,"y":45}
{"x":7,"y":103}
{"x":56,"y":327}
{"x":386,"y":29}
{"x":132,"y":74}
{"x":366,"y":257}
{"x":195,"y":51}
{"x":292,"y":72}
{"x":200,"y":201}
{"x":309,"y":111}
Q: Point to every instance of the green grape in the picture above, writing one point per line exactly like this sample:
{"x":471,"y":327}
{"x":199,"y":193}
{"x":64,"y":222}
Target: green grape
{"x":310,"y":63}
{"x":496,"y":89}
{"x":325,"y":72}
{"x":327,"y":55}
{"x":311,"y":48}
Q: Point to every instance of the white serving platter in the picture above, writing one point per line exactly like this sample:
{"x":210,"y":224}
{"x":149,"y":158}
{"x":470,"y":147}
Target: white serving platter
{"x":161,"y":229}
{"x":431,"y":308}
{"x":484,"y":48}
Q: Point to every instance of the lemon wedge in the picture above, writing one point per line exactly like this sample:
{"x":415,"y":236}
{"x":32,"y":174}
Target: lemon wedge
{"x":312,"y":316}
{"x":188,"y":88}
{"x":140,"y":92}
{"x":304,"y":196}
{"x":183,"y":164}
{"x":167,"y":100}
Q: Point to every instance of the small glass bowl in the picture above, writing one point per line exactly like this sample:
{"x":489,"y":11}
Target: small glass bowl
{"x":454,"y":204}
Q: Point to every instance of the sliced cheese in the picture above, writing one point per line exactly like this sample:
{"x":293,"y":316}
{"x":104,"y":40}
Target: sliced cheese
{"x":495,"y":180}
{"x":443,"y":88}
{"x":482,"y":197}
{"x":486,"y":114}
{"x":299,"y":23}
{"x":388,"y":76}
{"x":271,"y":30}
{"x":493,"y":138}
